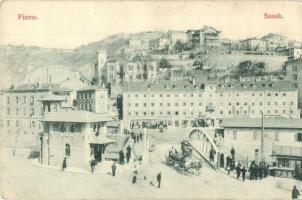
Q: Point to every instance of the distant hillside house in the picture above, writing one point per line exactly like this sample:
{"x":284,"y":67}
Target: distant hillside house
{"x":207,"y":37}
{"x":253,"y":44}
{"x":175,"y":36}
{"x":159,"y":43}
{"x":274,"y":40}
{"x":292,"y":53}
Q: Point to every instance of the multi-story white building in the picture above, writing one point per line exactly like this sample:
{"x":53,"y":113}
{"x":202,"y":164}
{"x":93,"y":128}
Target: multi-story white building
{"x":253,"y":44}
{"x":22,"y":112}
{"x":24,"y":106}
{"x":274,"y":40}
{"x":207,"y":36}
{"x":119,"y":71}
{"x":93,"y":99}
{"x":116,"y":72}
{"x":179,"y":103}
{"x":175,"y":36}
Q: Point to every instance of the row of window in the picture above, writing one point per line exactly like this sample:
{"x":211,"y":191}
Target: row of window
{"x":230,"y":112}
{"x":257,"y":136}
{"x":18,"y":111}
{"x":32,"y":124}
{"x":200,"y":104}
{"x":201,"y":95}
{"x":21,"y":100}
{"x":63,"y":127}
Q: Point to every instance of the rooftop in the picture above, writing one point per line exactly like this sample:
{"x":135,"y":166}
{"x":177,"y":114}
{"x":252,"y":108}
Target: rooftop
{"x":79,"y":116}
{"x":91,"y":87}
{"x":282,"y":123}
{"x":52,"y":97}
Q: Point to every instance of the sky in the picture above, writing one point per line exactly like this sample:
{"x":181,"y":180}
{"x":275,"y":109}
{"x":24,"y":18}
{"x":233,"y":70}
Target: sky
{"x":69,"y":24}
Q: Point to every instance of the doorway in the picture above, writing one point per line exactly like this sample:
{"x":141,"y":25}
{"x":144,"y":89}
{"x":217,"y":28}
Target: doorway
{"x":97,"y":150}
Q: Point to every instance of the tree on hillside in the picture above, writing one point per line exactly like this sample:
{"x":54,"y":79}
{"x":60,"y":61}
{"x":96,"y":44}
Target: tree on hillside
{"x":249,"y":68}
{"x":179,"y":46}
{"x":164,"y":64}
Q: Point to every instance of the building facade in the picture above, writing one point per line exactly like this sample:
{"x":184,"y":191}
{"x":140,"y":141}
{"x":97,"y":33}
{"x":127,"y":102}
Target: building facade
{"x":93,"y":99}
{"x":205,"y":37}
{"x":253,"y":44}
{"x":175,"y":36}
{"x":292,"y":53}
{"x":22,"y":112}
{"x":118,"y":72}
{"x":282,"y":139}
{"x":274,"y":40}
{"x":159,"y":43}
{"x":179,"y":103}
{"x":78,"y":136}
{"x":293,"y":72}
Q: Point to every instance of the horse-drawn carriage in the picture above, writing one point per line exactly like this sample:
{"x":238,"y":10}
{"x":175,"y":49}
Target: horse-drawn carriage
{"x":184,"y":161}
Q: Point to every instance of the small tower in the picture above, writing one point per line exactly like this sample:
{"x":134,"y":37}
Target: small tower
{"x":100,"y":67}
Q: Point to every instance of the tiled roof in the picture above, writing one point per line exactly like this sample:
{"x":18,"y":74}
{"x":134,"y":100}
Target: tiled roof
{"x":159,"y":86}
{"x":285,"y":123}
{"x":91,"y":87}
{"x":80,"y":116}
{"x":257,"y":86}
{"x":52,"y":97}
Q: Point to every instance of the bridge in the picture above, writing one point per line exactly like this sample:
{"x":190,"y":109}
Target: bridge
{"x":202,"y":144}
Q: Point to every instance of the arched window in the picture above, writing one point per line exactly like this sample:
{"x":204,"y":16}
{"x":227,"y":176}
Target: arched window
{"x":67,"y":150}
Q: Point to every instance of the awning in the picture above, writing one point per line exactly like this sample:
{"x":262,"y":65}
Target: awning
{"x":101,"y":141}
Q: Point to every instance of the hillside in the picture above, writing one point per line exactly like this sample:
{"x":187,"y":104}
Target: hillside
{"x":19,"y":62}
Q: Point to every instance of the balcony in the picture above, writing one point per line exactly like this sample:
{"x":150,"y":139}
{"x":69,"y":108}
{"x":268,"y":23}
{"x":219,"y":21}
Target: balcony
{"x":290,"y":151}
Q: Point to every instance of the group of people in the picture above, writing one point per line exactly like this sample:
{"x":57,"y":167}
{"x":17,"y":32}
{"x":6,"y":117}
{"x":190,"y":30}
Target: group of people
{"x":122,"y":155}
{"x":136,"y":137}
{"x":260,"y":170}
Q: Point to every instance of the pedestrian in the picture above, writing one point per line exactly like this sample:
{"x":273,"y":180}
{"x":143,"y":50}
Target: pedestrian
{"x":295,"y":193}
{"x":141,"y":135}
{"x":238,"y":170}
{"x":243,"y":170}
{"x":227,"y":162}
{"x":113,"y":168}
{"x":267,"y":170}
{"x":121,"y":157}
{"x":222,"y":160}
{"x":137,"y":138}
{"x":134,"y":179}
{"x":211,"y":155}
{"x":92,"y":165}
{"x":233,"y":153}
{"x":64,"y":164}
{"x":260,"y":171}
{"x":128,"y":153}
{"x":256,"y":172}
{"x":158,"y":179}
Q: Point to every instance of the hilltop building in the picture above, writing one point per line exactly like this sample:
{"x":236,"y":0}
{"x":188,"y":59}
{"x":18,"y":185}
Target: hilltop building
{"x":179,"y":103}
{"x":253,"y":45}
{"x":207,"y":36}
{"x":175,"y":36}
{"x":274,"y":40}
{"x":115,"y":72}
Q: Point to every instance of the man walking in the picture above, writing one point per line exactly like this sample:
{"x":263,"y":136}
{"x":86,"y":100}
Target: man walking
{"x":233,"y":153}
{"x":92,"y":165}
{"x":121,"y":157}
{"x":243,"y":170}
{"x":295,"y":193}
{"x":238,"y":170}
{"x":158,"y":179}
{"x":128,"y":153}
{"x":113,"y":168}
{"x":64,"y":164}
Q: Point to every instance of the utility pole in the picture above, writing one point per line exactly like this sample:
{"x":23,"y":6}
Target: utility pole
{"x":262,"y":137}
